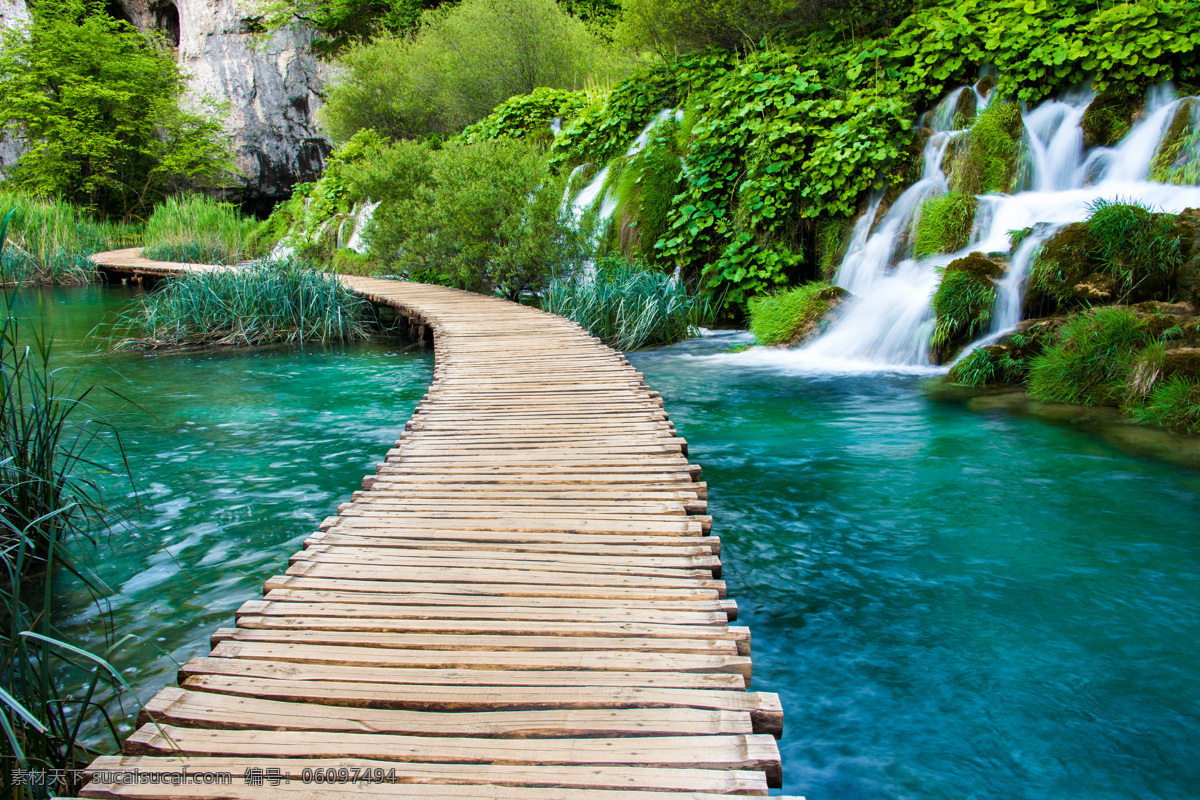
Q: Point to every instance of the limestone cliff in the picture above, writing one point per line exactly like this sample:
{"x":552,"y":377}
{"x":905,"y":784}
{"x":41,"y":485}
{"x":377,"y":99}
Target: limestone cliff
{"x":270,"y":85}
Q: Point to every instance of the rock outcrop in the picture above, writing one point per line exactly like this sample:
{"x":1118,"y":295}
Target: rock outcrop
{"x":270,"y":85}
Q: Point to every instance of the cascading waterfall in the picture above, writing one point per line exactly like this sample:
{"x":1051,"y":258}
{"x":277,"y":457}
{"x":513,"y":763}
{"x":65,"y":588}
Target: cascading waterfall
{"x":598,"y":198}
{"x":888,"y":322}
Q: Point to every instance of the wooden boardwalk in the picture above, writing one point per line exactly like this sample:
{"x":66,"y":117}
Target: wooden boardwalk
{"x":522,"y":602}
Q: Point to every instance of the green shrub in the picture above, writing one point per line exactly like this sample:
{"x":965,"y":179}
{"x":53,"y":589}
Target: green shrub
{"x":963,"y":303}
{"x":986,"y":159}
{"x":268,"y":303}
{"x":99,"y":106}
{"x":1090,"y":361}
{"x":489,"y":215}
{"x":49,"y":240}
{"x":459,"y":66}
{"x":197,"y":229}
{"x":529,"y":115}
{"x":628,"y":306}
{"x":944,"y":224}
{"x":786,"y":317}
{"x":1174,"y":403}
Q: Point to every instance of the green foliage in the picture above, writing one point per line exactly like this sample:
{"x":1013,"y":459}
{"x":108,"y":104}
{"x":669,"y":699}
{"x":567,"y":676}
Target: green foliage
{"x":340,"y":23}
{"x":747,"y":269}
{"x":99,"y":106}
{"x":944,"y":224}
{"x":459,"y":66}
{"x":197,"y":229}
{"x":987,"y":157}
{"x":628,"y":306}
{"x":49,"y":241}
{"x":528,"y":115}
{"x":484,"y":217}
{"x":831,"y":244}
{"x":963,"y":303}
{"x":1040,"y":46}
{"x":269,"y":303}
{"x":1089,"y":362}
{"x":1174,"y":403}
{"x":783,"y":317}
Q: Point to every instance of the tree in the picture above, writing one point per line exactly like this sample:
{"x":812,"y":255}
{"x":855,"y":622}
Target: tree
{"x":461,"y":64}
{"x":98,"y":107}
{"x":342,"y":23}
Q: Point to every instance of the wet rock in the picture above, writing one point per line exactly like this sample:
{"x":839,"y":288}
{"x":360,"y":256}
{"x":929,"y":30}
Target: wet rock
{"x":1109,"y":117}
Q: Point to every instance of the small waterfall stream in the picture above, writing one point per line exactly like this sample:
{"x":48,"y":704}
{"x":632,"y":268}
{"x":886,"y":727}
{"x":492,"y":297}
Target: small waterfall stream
{"x":888,"y":323}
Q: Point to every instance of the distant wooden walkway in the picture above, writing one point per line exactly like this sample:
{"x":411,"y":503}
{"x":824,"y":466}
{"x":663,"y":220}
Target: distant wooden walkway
{"x":521,"y":603}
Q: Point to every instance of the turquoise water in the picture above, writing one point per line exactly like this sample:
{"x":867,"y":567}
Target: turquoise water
{"x":952,"y":605}
{"x":238,"y":456}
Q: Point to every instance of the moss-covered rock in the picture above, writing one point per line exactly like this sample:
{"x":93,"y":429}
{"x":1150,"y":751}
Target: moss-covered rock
{"x":647,"y":184}
{"x":1007,"y":361}
{"x":1122,"y":254}
{"x":789,"y":317}
{"x":944,"y":224}
{"x":985,"y":159}
{"x":1187,"y":231}
{"x":963,"y":304}
{"x":833,"y":240}
{"x":1109,"y":117}
{"x":1177,"y":159}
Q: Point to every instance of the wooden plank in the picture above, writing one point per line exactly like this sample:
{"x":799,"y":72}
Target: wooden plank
{"x":310,"y":630}
{"x":766,"y":713}
{"x":757,"y":751}
{"x":723,"y":782}
{"x":309,"y":671}
{"x":599,"y":660}
{"x":182,"y":707}
{"x":635,"y":621}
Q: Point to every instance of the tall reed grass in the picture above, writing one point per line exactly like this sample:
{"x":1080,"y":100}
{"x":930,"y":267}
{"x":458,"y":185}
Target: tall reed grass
{"x":49,"y":240}
{"x":196,"y":229}
{"x":629,"y":307}
{"x":50,"y":506}
{"x":269,"y":303}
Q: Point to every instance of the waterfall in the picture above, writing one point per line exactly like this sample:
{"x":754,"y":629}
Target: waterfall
{"x":600,"y":199}
{"x":888,"y":322}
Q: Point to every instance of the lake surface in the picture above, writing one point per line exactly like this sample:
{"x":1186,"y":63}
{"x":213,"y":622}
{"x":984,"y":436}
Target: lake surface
{"x":951,"y":604}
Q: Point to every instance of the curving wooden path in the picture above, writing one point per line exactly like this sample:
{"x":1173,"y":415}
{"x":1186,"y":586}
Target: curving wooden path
{"x":522,"y":602}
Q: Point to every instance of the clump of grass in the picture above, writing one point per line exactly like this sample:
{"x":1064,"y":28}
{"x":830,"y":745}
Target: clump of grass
{"x":944,"y":224}
{"x":1174,"y":403}
{"x":49,"y":240}
{"x":196,"y":229}
{"x":1091,"y":359}
{"x":788,"y":316}
{"x":963,"y":303}
{"x":628,"y":306}
{"x":1136,"y":246}
{"x":986,"y":158}
{"x":280,"y":302}
{"x":831,"y":243}
{"x":49,"y":505}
